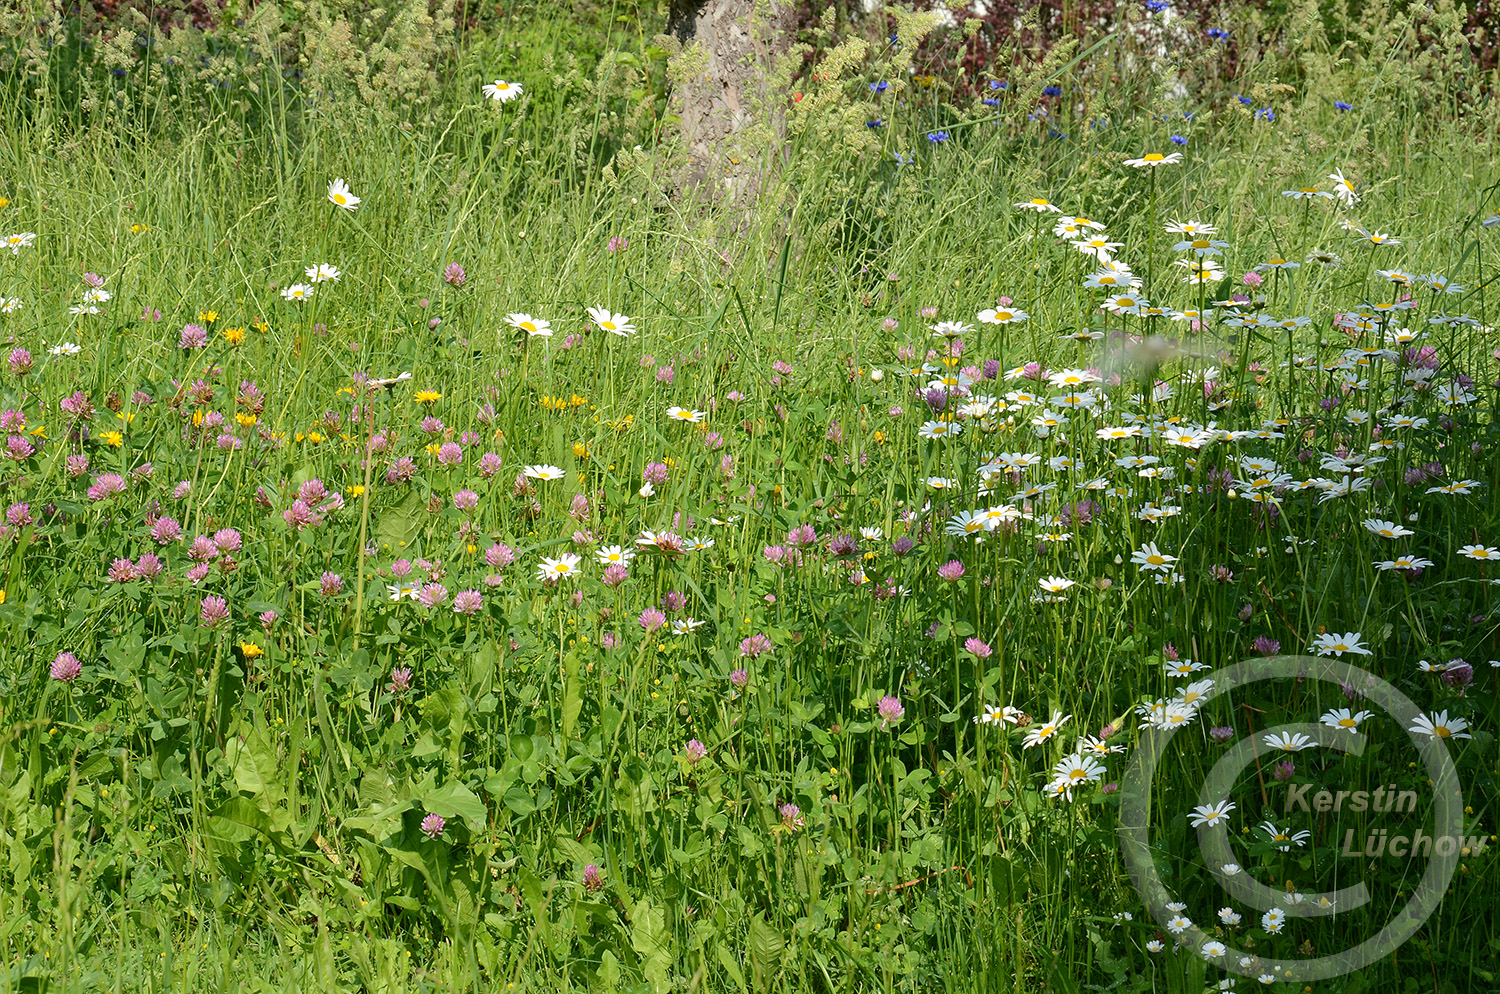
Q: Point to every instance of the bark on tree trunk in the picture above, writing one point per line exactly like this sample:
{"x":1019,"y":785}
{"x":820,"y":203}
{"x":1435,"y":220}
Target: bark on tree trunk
{"x":727,"y":110}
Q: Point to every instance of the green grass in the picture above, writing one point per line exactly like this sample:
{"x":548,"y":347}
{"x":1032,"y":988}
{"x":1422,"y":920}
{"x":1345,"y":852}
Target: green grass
{"x":190,"y":814}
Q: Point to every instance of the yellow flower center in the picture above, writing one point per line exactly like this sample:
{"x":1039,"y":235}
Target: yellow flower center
{"x":1153,"y":157}
{"x":339,"y":198}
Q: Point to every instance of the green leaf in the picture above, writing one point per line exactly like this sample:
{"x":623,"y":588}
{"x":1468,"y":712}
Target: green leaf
{"x":454,"y":800}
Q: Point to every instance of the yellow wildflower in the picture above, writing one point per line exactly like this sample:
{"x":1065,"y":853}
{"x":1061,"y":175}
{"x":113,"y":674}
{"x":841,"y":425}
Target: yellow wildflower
{"x":427,"y":397}
{"x":113,"y":439}
{"x":234,"y":336}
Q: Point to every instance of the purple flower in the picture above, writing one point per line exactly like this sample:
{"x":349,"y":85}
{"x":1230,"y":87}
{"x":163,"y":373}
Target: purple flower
{"x":192,"y":337}
{"x":890,"y":711}
{"x":106,"y":485}
{"x":18,"y":448}
{"x":902,"y":546}
{"x":121,"y":570}
{"x":740,"y":678}
{"x":450,"y":454}
{"x":1458,"y":674}
{"x":331,"y":585}
{"x":466,"y":500}
{"x":755,"y":646}
{"x":791,"y":817}
{"x":618,"y":243}
{"x":654,"y":473}
{"x":674,"y":600}
{"x":1169,"y":652}
{"x":843,"y":546}
{"x":801,"y":536}
{"x":1221,"y":734}
{"x":1266,"y":646}
{"x":148,"y":567}
{"x":651,"y":619}
{"x":1284,"y":770}
{"x":433,"y":825}
{"x":453,"y":274}
{"x":20,"y":362}
{"x":227,"y":540}
{"x":498,"y":556}
{"x":489,"y":465}
{"x":615,"y":574}
{"x":213,"y":611}
{"x":432,"y":594}
{"x":951,"y":570}
{"x":267,"y":620}
{"x":400,"y":680}
{"x":467,"y":602}
{"x":66,"y":667}
{"x":608,"y":640}
{"x":593,"y":878}
{"x":696,"y":751}
{"x":977,"y":648}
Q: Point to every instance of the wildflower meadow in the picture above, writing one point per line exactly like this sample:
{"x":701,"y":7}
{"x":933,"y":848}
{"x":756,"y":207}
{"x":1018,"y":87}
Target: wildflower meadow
{"x":1026,"y":521}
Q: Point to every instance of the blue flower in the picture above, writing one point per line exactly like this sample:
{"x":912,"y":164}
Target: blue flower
{"x":1217,"y":34}
{"x":1054,"y":133}
{"x":1052,"y":91}
{"x":1243,"y":99}
{"x":879,"y":87}
{"x":1178,"y":140}
{"x":937,"y":137}
{"x":901,"y":160}
{"x":879,"y":122}
{"x":991,"y":102}
{"x":999,"y":84}
{"x":1266,"y":114}
{"x":1157,"y":6}
{"x":1340,"y":106}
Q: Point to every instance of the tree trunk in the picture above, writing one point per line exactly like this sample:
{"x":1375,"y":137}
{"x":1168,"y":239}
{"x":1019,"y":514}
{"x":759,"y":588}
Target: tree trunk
{"x":730,"y":120}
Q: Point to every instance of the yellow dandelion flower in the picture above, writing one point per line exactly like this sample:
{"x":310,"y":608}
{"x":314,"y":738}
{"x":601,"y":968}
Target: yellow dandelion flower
{"x":113,"y":439}
{"x":357,"y":490}
{"x":234,"y":336}
{"x":314,"y":437}
{"x":208,"y":317}
{"x":427,"y":397}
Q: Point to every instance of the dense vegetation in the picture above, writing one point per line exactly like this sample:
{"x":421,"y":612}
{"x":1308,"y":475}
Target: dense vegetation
{"x":442,"y":552}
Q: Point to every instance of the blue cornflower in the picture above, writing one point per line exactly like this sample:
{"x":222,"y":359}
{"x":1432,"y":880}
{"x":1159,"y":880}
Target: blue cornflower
{"x":1052,"y":91}
{"x":999,"y":84}
{"x":1266,"y":114}
{"x":1340,"y":106}
{"x":1157,"y":6}
{"x":901,"y":160}
{"x":1217,"y":34}
{"x":879,"y":122}
{"x":937,"y":137}
{"x":991,"y":102}
{"x":879,"y":87}
{"x":1178,"y":140}
{"x":1243,"y":99}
